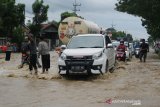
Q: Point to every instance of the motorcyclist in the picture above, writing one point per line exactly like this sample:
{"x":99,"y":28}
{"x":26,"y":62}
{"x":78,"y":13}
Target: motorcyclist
{"x":122,"y":48}
{"x":25,"y":51}
{"x":144,"y":48}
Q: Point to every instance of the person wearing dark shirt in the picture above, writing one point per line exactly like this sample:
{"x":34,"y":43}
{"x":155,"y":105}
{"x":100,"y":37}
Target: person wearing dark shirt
{"x":144,"y":48}
{"x":33,"y":54}
{"x":8,"y":51}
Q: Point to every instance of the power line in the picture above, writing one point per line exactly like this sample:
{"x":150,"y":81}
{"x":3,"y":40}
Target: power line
{"x":112,"y":25}
{"x":75,"y":5}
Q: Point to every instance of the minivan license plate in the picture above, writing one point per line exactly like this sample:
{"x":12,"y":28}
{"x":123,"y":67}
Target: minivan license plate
{"x":77,"y":68}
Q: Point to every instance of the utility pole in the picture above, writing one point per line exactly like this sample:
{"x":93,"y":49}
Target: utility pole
{"x":112,"y":25}
{"x":75,"y":5}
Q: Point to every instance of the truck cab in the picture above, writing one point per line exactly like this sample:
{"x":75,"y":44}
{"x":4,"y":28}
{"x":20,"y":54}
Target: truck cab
{"x":87,"y":54}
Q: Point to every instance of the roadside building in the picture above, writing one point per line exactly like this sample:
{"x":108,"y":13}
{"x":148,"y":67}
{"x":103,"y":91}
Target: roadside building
{"x":50,"y":33}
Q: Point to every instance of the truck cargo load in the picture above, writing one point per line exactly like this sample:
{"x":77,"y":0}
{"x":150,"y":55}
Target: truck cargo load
{"x":73,"y":26}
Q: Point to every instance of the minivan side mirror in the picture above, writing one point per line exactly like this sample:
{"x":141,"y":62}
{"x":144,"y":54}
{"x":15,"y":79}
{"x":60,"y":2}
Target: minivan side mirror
{"x":110,"y":45}
{"x":63,"y":47}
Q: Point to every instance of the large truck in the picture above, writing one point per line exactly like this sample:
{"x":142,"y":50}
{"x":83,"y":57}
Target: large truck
{"x":73,"y":26}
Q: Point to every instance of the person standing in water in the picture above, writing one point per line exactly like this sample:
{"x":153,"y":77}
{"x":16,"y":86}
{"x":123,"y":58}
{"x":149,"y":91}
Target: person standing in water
{"x":43,"y":50}
{"x":33,"y":54}
{"x":144,"y":48}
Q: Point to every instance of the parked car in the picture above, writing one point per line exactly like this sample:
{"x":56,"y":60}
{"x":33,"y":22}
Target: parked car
{"x":87,"y":54}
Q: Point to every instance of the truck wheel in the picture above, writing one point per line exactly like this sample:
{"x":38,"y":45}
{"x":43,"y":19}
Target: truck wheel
{"x":113,"y":68}
{"x":131,"y":56}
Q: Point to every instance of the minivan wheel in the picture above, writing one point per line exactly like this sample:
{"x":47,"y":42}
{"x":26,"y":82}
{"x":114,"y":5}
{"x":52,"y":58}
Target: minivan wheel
{"x":67,"y":72}
{"x":89,"y":72}
{"x":106,"y":66}
{"x":113,"y":68}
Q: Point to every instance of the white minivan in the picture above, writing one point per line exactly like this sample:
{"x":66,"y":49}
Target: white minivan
{"x":87,"y":53}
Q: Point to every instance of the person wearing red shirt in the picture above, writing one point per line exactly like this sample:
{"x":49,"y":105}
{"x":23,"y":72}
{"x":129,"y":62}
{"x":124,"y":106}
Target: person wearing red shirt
{"x":122,"y":48}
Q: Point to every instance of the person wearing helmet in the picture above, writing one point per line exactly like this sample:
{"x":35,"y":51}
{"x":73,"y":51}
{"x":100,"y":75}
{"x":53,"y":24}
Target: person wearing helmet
{"x":144,"y":48}
{"x":121,"y":47}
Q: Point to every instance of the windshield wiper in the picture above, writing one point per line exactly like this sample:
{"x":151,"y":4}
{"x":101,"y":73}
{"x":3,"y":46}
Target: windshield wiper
{"x":81,"y":47}
{"x":91,"y":47}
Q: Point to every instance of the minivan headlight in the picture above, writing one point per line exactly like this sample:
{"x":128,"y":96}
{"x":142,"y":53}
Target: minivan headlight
{"x":63,"y":56}
{"x":97,"y":55}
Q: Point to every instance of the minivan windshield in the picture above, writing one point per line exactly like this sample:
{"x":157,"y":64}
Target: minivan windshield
{"x":86,"y":42}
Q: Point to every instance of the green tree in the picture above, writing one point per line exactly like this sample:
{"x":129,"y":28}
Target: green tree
{"x":40,"y":11}
{"x":11,"y":16}
{"x":67,"y":14}
{"x":129,"y":38}
{"x":150,"y":41}
{"x":148,"y":10}
{"x":18,"y":36}
{"x":118,"y":34}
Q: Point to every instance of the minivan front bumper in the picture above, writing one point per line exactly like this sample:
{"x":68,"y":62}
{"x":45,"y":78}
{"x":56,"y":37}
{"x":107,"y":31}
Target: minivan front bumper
{"x":80,"y":66}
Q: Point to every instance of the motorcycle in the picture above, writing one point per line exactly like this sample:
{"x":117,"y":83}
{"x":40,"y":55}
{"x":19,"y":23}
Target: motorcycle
{"x":25,"y":59}
{"x":120,"y":55}
{"x":137,"y":52}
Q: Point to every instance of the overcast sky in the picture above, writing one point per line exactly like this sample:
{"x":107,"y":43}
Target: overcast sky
{"x":101,"y":12}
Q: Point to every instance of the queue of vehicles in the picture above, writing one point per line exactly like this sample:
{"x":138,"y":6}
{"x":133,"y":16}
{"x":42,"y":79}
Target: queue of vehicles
{"x":91,"y":54}
{"x":129,"y":50}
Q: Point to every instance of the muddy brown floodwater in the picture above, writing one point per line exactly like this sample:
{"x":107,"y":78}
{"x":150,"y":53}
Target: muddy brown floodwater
{"x":133,"y":84}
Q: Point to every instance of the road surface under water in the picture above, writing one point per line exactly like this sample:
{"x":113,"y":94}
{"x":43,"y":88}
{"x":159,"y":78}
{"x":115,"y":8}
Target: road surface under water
{"x":130,"y":83}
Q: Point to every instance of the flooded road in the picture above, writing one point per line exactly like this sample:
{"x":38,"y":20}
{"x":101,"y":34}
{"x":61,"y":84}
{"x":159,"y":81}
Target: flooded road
{"x":132,"y":84}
